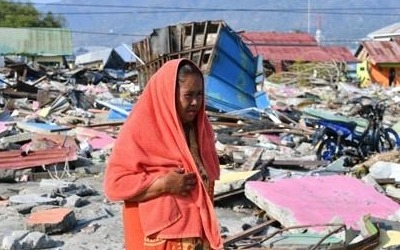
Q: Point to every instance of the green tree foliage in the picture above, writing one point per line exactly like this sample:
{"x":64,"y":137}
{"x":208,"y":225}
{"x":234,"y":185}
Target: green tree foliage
{"x":17,"y":15}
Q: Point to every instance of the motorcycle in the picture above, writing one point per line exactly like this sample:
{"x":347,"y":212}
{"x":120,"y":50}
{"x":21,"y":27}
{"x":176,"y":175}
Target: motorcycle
{"x":334,"y":139}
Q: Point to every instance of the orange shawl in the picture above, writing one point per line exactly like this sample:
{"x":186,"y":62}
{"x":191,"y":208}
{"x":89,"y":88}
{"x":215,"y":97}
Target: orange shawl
{"x":150,"y":143}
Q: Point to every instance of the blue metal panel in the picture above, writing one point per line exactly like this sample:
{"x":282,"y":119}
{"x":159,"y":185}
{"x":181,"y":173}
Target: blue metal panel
{"x":226,"y":97}
{"x":230,"y":84}
{"x":115,"y":115}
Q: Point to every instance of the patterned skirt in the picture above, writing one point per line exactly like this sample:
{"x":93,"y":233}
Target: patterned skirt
{"x":176,"y":244}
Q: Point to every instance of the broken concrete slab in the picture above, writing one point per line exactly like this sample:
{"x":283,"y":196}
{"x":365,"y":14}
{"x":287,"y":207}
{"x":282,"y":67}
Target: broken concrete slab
{"x":24,"y":208}
{"x":320,"y":199}
{"x":32,"y":199}
{"x":382,"y":169}
{"x":50,"y":221}
{"x":62,"y":185}
{"x":73,"y":201}
{"x":24,"y":239}
{"x":11,"y":220}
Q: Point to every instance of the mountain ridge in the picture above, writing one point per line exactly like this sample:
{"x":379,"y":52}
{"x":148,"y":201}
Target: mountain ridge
{"x":98,"y":22}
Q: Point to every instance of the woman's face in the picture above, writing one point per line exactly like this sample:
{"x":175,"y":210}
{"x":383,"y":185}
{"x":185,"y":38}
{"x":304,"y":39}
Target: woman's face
{"x":189,"y":97}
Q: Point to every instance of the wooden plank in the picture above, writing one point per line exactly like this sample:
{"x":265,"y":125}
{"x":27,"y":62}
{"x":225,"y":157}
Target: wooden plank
{"x":107,"y":123}
{"x":307,"y":164}
{"x":252,"y":161}
{"x":295,"y":131}
{"x":20,"y":137}
{"x":227,"y":117}
{"x":221,"y":196}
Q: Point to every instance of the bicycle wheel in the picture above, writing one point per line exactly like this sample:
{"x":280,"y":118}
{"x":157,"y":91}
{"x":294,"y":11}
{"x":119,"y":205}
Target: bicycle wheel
{"x":328,"y":150}
{"x":386,"y":139}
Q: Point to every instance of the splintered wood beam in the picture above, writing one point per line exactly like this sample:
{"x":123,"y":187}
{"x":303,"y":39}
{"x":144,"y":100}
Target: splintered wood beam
{"x":307,"y":164}
{"x":252,"y":161}
{"x":225,"y":195}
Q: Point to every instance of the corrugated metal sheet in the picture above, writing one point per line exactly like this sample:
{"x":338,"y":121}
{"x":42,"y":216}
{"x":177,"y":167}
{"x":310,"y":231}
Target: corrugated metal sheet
{"x":230,"y":83}
{"x":126,"y":53}
{"x":276,"y":46}
{"x":275,"y":38}
{"x":299,"y":53}
{"x":381,"y":51}
{"x":17,"y":159}
{"x":94,"y":56}
{"x":35,"y":41}
{"x":338,"y":53}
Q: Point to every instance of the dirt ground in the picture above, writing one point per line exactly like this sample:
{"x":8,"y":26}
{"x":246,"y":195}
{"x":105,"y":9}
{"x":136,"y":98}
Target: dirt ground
{"x":99,"y":223}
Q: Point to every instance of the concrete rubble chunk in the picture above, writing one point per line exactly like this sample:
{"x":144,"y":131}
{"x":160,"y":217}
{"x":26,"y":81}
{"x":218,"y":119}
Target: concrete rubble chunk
{"x":10,"y":220}
{"x":59,"y":184}
{"x":32,"y":198}
{"x":51,"y":221}
{"x":73,"y":201}
{"x":91,"y":228}
{"x":7,"y":175}
{"x":24,"y":239}
{"x":382,"y":169}
{"x":24,"y":208}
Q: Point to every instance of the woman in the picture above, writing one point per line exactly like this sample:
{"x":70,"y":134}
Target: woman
{"x":164,"y":164}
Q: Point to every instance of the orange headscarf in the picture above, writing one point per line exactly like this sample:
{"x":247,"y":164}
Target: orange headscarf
{"x":152,"y":142}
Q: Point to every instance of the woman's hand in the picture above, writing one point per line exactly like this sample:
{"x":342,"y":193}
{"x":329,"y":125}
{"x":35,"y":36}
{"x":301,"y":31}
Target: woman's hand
{"x":179,"y":182}
{"x":176,"y":182}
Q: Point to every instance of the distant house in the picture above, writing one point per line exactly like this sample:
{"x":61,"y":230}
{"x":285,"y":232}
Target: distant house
{"x":380,"y":62}
{"x":94,"y":58}
{"x":387,"y":33}
{"x":47,"y":46}
{"x":380,"y":57}
{"x":280,"y":49}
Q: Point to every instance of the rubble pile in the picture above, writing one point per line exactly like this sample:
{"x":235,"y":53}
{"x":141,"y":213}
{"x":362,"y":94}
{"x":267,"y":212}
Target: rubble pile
{"x":57,"y":128}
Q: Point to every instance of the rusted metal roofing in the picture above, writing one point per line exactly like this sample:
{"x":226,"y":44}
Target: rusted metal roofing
{"x":276,"y":38}
{"x":339,"y":53}
{"x":276,"y":46}
{"x":18,"y":159}
{"x":35,"y":41}
{"x":381,"y":51}
{"x":306,"y":54}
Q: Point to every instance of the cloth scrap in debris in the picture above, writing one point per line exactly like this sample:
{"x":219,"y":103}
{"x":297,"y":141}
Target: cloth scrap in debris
{"x":3,"y":127}
{"x":320,"y":199}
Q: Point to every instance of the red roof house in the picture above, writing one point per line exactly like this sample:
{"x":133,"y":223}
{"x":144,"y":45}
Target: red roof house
{"x":276,"y":48}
